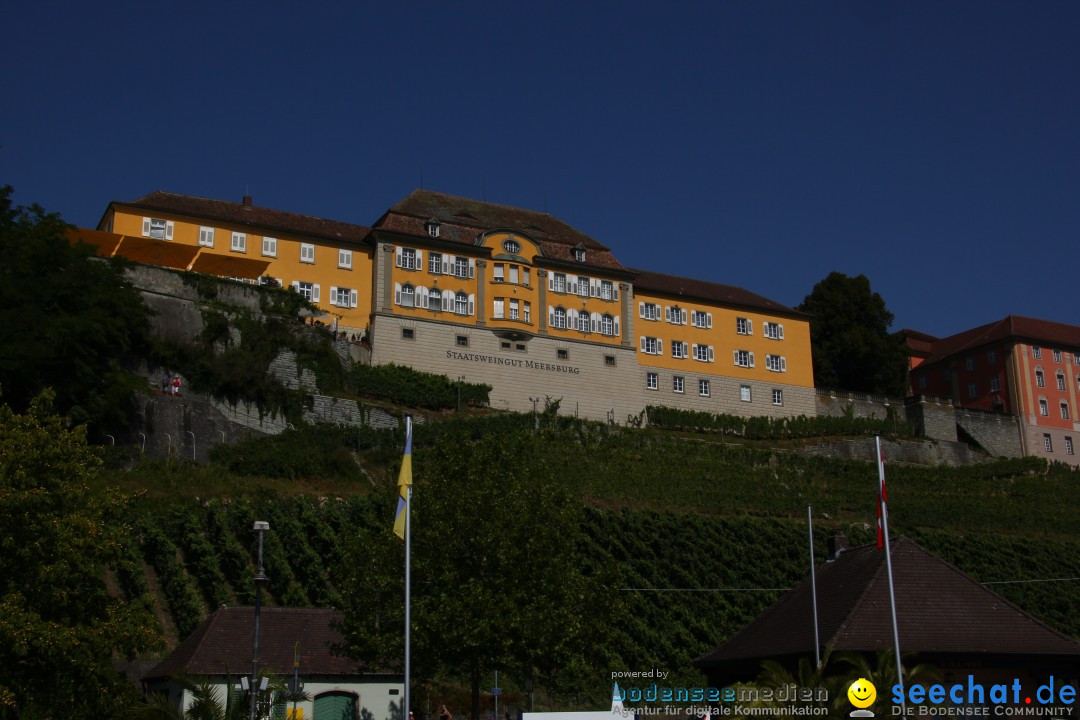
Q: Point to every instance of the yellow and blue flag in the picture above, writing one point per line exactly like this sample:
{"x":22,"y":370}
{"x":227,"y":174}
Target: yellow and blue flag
{"x":404,"y":481}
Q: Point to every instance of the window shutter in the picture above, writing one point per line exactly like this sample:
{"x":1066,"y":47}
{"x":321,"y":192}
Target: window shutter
{"x":146,"y":227}
{"x":419,"y":259}
{"x":710,"y":353}
{"x":446,"y":264}
{"x":642,"y":343}
{"x":397,"y":292}
{"x":751,"y":359}
{"x":708,"y":320}
{"x":614,"y":292}
{"x":472,"y":269}
{"x":783,"y":364}
{"x":780,"y":332}
{"x":641,"y":309}
{"x":352,"y":298}
{"x":421,"y":296}
{"x":397,"y":253}
{"x":472,"y":303}
{"x":168,"y":230}
{"x":296,"y":285}
{"x":551,"y":316}
{"x":333,"y":295}
{"x":315,"y":293}
{"x":749,"y":326}
{"x":551,"y":283}
{"x":735,"y":353}
{"x":447,"y":300}
{"x":693,"y":350}
{"x":659,"y":346}
{"x":571,"y":318}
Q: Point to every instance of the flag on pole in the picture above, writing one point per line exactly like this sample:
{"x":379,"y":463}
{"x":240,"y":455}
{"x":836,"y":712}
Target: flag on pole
{"x":404,"y":481}
{"x":882,"y":506}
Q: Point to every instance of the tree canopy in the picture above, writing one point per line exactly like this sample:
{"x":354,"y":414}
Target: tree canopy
{"x":850,"y":339}
{"x":68,"y":321}
{"x":60,"y":627}
{"x":496,"y":583}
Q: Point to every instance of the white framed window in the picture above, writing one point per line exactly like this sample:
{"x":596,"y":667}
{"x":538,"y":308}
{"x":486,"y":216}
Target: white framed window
{"x":583,"y":286}
{"x":744,"y":326}
{"x":652,"y":345}
{"x":557,"y":282}
{"x":307,"y":253}
{"x":498,"y":272}
{"x":1057,"y":355}
{"x":969,"y":363}
{"x":462,"y":303}
{"x":744,"y":358}
{"x":435,"y":265}
{"x":972,"y":390}
{"x":499,"y":310}
{"x":558,"y":318}
{"x":991,"y":357}
{"x":1044,"y":408}
{"x":526,"y":311}
{"x":1048,"y":443}
{"x":1064,"y":411}
{"x":995,"y":384}
{"x":1036,"y":352}
{"x":1068,"y":446}
{"x":777,"y":397}
{"x":309,"y":291}
{"x":433,"y":228}
{"x":679,"y":349}
{"x":524,"y":275}
{"x":405,"y":295}
{"x":514,"y":274}
{"x":1040,"y":379}
{"x":699,"y":319}
{"x":744,"y":393}
{"x":774,"y":331}
{"x":343,"y":297}
{"x":776,"y":363}
{"x":206,"y":236}
{"x":461,"y":267}
{"x":579,"y":254}
{"x":607,"y":325}
{"x":678,"y":384}
{"x":703,"y":388}
{"x":1061,"y":381}
{"x":607,"y":290}
{"x":157,"y":228}
{"x":409,"y":258}
{"x":675,"y":315}
{"x":434,"y":300}
{"x":652,"y":381}
{"x":344,"y":259}
{"x":238,"y":242}
{"x":515,"y":312}
{"x":703,"y":353}
{"x":649,"y":311}
{"x":583,"y":322}
{"x":269,"y":247}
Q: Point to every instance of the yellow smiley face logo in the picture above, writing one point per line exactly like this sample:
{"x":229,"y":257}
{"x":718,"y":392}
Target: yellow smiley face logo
{"x":862,"y":693}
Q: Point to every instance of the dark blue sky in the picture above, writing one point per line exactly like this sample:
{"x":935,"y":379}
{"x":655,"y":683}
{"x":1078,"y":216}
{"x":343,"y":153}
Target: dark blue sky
{"x":932,"y":146}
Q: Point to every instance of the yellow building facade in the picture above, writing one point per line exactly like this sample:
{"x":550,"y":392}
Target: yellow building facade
{"x":510,"y":297}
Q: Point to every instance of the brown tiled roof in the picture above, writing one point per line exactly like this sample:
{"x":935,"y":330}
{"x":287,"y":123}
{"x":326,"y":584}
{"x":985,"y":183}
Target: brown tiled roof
{"x":251,"y":216}
{"x":229,"y":266}
{"x":224,"y":641}
{"x":689,"y":288}
{"x":157,"y":252}
{"x":462,"y":219}
{"x":939,"y":610}
{"x":1013,"y":326}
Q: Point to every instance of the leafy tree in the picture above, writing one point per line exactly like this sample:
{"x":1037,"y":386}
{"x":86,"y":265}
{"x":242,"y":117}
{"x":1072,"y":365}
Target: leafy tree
{"x":497,"y":584}
{"x":849,"y":336}
{"x":60,"y":627}
{"x":68,"y":321}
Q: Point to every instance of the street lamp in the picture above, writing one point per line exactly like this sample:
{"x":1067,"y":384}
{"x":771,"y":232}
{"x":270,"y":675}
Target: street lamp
{"x":261,"y":527}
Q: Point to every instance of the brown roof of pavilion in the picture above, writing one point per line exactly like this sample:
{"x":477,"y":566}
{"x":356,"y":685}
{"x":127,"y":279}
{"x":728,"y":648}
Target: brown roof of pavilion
{"x":157,"y":252}
{"x":939,"y":610}
{"x":250,"y":216}
{"x":704,"y":290}
{"x":462,"y":219}
{"x":223,"y":642}
{"x":1013,"y":326}
{"x":104,"y":243}
{"x":229,"y":266}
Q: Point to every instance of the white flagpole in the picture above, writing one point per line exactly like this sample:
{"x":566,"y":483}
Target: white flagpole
{"x":813,"y":587}
{"x":408,"y":597}
{"x":888,"y":561}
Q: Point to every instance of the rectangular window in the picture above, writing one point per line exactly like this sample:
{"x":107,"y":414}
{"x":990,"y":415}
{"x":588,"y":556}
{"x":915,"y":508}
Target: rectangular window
{"x":678,"y":349}
{"x":524,"y":276}
{"x":991,"y":357}
{"x":649,"y":311}
{"x":1064,"y":411}
{"x":344,"y":259}
{"x":505,"y":344}
{"x":583,"y":285}
{"x":703,"y":353}
{"x":652,"y":381}
{"x":777,"y":397}
{"x":1076,"y":358}
{"x":528,"y":311}
{"x":774,"y":331}
{"x":1044,"y":409}
{"x":498,"y":310}
{"x":609,"y":360}
{"x":435,"y":265}
{"x":461,"y":267}
{"x":776,"y":363}
{"x":520,"y":347}
{"x":514,"y":274}
{"x":306,"y":290}
{"x":498,"y":273}
{"x":269,"y":247}
{"x":651,"y":345}
{"x":562,"y":354}
{"x":408,"y":334}
{"x":969,"y":363}
{"x":1036,"y":352}
{"x":1048,"y":443}
{"x":972,"y":390}
{"x":700,"y":319}
{"x":1040,"y":379}
{"x":744,"y":358}
{"x":607,"y":290}
{"x":1057,"y":356}
{"x":157,"y":229}
{"x":744,"y":326}
{"x":206,"y":236}
{"x":515,"y":312}
{"x":744,"y":393}
{"x":307,"y":253}
{"x":1068,"y":446}
{"x":678,"y":384}
{"x":239,"y":242}
{"x":408,"y":259}
{"x":703,"y":388}
{"x":558,"y":282}
{"x":1060,"y":381}
{"x":462,"y":340}
{"x":342,"y":297}
{"x":995,"y":384}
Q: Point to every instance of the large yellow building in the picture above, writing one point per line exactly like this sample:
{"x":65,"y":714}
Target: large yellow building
{"x":514,"y":298}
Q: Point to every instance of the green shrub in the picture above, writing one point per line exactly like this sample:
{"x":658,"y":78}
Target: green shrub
{"x":768,"y":428}
{"x":410,"y":387}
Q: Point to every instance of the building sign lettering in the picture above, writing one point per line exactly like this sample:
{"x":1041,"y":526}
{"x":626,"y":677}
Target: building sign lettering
{"x":512,"y":362}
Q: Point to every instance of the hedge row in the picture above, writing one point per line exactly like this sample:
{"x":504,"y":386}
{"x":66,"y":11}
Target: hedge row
{"x":767,"y":428}
{"x":410,"y":387}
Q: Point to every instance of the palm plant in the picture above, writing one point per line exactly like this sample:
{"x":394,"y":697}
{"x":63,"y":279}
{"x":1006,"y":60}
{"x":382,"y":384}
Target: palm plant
{"x":882,"y":673}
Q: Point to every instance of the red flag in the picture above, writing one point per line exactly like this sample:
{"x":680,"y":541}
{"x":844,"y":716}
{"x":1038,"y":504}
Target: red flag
{"x":882,"y":503}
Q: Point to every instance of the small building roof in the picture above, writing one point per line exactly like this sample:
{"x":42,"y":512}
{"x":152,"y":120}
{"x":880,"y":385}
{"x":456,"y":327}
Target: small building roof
{"x":246,"y":214}
{"x":224,"y":642}
{"x":675,"y":286}
{"x":940,"y":611}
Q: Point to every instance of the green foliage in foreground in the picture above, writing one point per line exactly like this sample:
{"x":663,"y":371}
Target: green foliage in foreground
{"x":414,"y":388}
{"x":768,"y":428}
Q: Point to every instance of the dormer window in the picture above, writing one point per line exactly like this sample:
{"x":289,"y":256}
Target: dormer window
{"x":512,"y":246}
{"x":432,"y":226}
{"x":579,"y":253}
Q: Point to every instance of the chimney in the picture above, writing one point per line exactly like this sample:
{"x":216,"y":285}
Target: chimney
{"x":838,"y":545}
{"x":247,"y":200}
